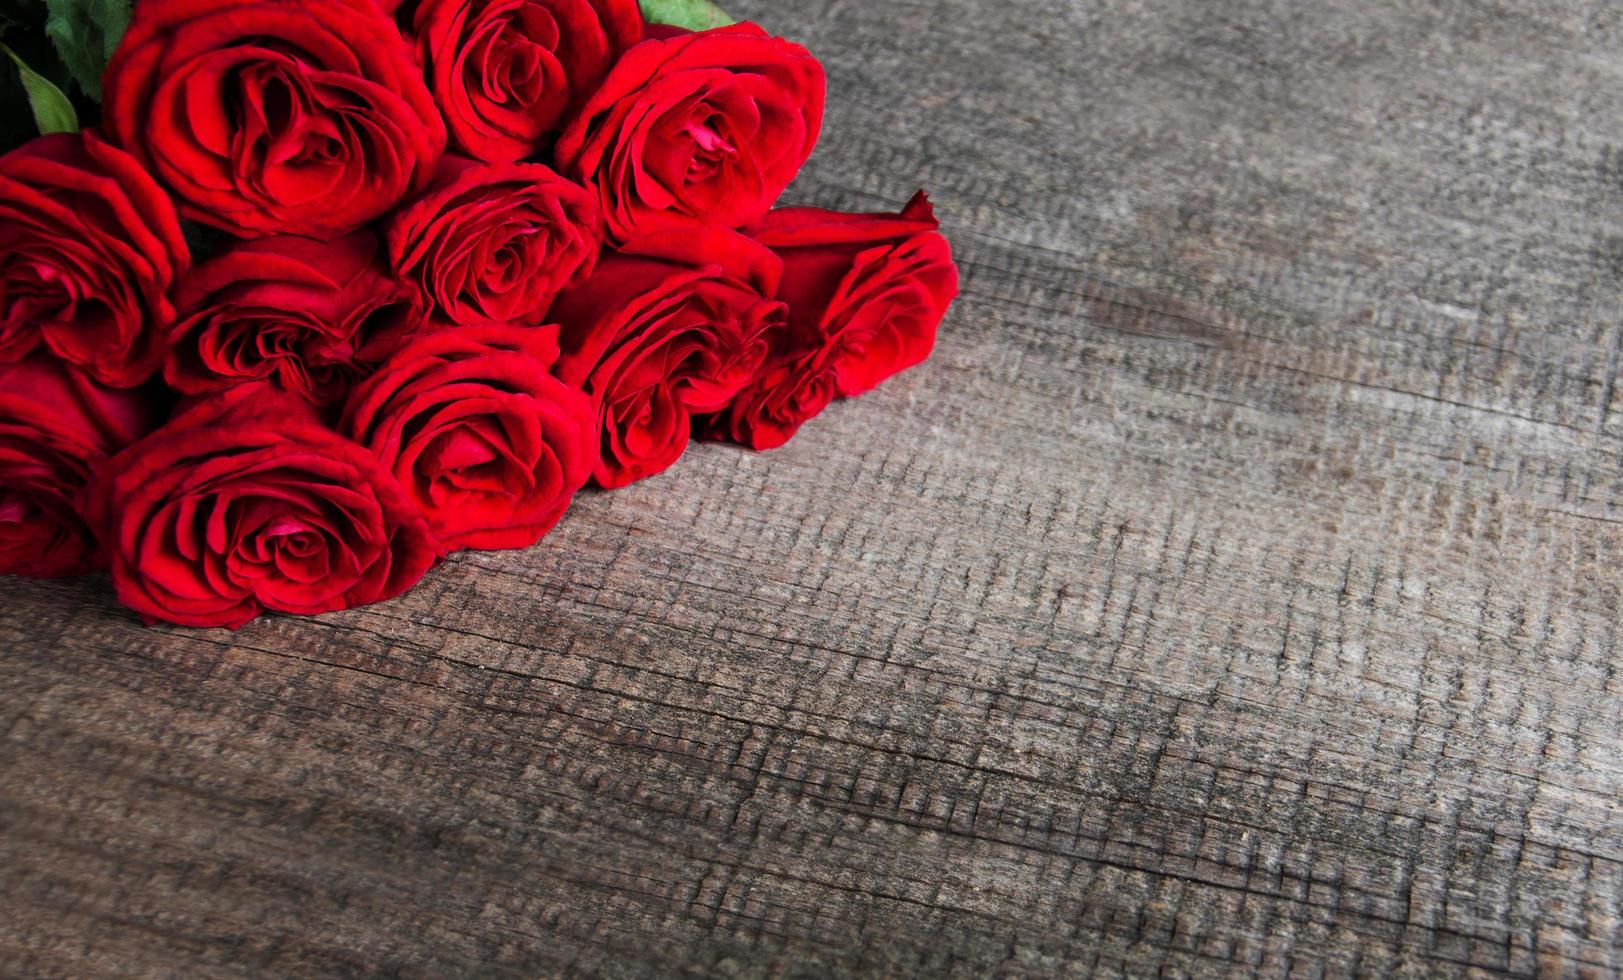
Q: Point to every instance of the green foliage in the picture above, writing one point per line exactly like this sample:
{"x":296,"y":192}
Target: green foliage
{"x":86,"y":33}
{"x":53,"y":113}
{"x":695,"y":15}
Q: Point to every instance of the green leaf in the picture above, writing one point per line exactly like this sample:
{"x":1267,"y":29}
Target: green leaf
{"x":53,"y":113}
{"x":695,"y":15}
{"x":86,"y":33}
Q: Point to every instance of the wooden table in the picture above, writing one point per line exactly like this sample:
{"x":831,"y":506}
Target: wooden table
{"x":1237,"y":590}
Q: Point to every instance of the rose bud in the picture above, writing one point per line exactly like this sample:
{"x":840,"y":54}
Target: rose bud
{"x":707,"y":127}
{"x":487,"y":442}
{"x":495,"y":242}
{"x":506,"y":73}
{"x":89,"y":245}
{"x":311,"y":317}
{"x":56,"y":426}
{"x":670,"y":327}
{"x":244,"y":503}
{"x":269,"y":117}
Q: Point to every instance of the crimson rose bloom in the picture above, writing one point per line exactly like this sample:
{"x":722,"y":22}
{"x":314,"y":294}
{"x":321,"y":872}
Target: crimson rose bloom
{"x":871,"y":288}
{"x":244,"y":502}
{"x":792,"y":388}
{"x":56,"y":425}
{"x":265,"y":116}
{"x":495,"y":242}
{"x":507,"y":72}
{"x":707,"y":127}
{"x":88,"y":247}
{"x":865,"y":294}
{"x":669,"y":327}
{"x":489,"y":445}
{"x":309,"y":316}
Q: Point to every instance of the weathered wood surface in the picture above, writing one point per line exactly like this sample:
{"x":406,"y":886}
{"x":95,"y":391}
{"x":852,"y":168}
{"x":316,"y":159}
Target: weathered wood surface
{"x":1236,"y":591}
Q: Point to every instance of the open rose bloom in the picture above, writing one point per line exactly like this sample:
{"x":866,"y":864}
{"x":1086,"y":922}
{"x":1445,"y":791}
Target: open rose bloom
{"x":508,"y":73}
{"x":304,"y":117}
{"x":89,"y":248}
{"x":487,"y":442}
{"x":245,"y":502}
{"x":705,"y":128}
{"x":451,"y":261}
{"x":311,"y":317}
{"x":670,"y":328}
{"x":56,"y":427}
{"x":495,"y":242}
{"x":865,"y":294}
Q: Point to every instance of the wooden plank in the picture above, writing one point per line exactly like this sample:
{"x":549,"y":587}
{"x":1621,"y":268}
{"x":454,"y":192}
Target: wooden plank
{"x":1235,"y":592}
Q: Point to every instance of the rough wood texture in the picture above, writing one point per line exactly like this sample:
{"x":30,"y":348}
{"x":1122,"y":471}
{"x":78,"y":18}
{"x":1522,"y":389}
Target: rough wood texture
{"x":1236,"y":591}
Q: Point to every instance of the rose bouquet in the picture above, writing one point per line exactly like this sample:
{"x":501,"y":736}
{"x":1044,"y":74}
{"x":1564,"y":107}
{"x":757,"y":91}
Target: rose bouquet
{"x":337,"y":287}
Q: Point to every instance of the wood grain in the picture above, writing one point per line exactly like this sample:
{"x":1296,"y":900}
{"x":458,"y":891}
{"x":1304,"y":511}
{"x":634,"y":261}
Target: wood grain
{"x":1236,"y":592}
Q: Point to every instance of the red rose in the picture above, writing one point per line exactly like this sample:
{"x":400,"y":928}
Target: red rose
{"x":264,"y":116}
{"x":507,"y":72}
{"x":56,"y":425}
{"x":309,"y":316}
{"x":495,"y":242}
{"x":792,"y":388}
{"x":244,"y":502}
{"x":88,"y":247}
{"x":869,"y":289}
{"x":707,"y":127}
{"x":670,"y":327}
{"x":865,"y":294}
{"x":489,"y":445}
